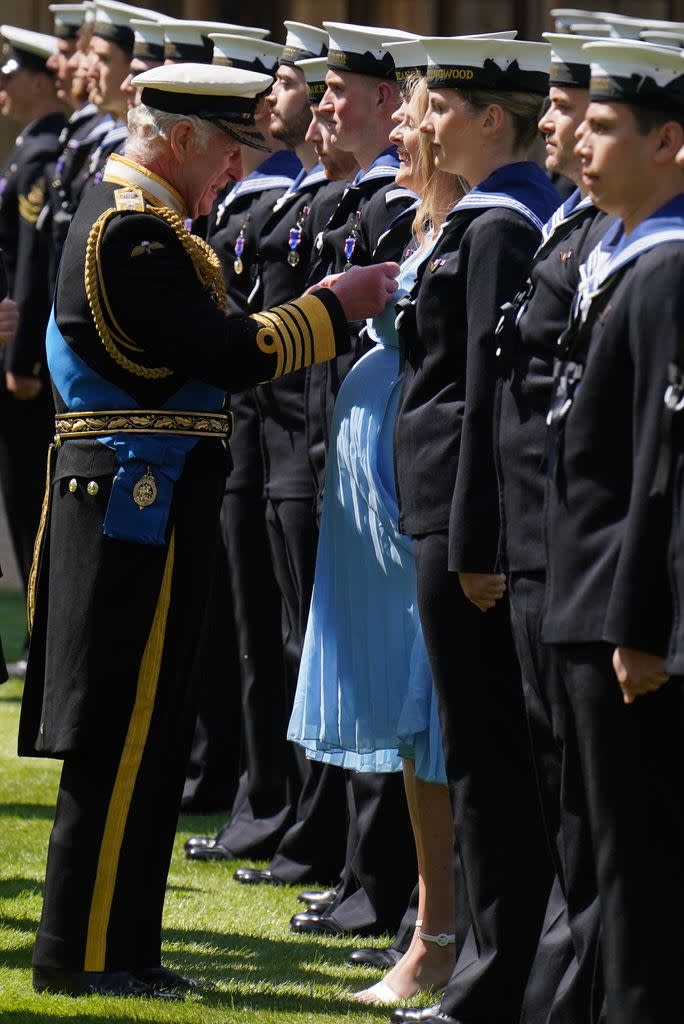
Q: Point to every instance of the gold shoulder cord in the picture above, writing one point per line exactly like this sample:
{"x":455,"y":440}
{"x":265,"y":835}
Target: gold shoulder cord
{"x":204,"y":260}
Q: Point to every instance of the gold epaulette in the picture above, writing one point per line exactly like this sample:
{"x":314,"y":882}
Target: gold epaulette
{"x":298,"y":333}
{"x":203,"y":258}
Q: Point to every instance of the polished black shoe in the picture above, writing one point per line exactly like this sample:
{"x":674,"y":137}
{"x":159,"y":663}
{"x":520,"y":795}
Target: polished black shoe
{"x":199,"y":842}
{"x":162,"y":979}
{"x":414,"y":1015}
{"x":308,"y":923}
{"x":209,"y":851}
{"x":257,"y":876}
{"x":325,"y":896}
{"x":100,"y":983}
{"x":387,"y":957}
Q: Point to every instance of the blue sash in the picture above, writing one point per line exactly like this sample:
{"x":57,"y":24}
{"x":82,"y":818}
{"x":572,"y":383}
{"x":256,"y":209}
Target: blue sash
{"x":83,"y":390}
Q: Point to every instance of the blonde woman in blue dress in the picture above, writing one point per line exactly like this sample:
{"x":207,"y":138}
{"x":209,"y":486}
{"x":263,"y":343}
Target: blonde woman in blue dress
{"x":365,"y":695}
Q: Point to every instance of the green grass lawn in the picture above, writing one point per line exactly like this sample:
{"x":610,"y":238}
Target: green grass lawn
{"x":232,"y":935}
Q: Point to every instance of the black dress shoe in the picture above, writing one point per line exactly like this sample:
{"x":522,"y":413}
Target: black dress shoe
{"x":101,"y":983}
{"x":161,"y":979}
{"x":257,"y":876}
{"x":414,"y":1015}
{"x":211,"y":851}
{"x":199,"y":842}
{"x":325,"y":896}
{"x":308,"y":923}
{"x":374,"y":957}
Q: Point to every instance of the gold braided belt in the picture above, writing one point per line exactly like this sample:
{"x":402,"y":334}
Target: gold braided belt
{"x":153,"y":421}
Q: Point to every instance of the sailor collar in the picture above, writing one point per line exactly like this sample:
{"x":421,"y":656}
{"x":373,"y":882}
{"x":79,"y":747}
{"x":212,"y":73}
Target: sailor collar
{"x":302,"y":183}
{"x":385,"y":165}
{"x":119,"y":170}
{"x":520,"y":187}
{"x":616,"y":251}
{"x":573,"y":206}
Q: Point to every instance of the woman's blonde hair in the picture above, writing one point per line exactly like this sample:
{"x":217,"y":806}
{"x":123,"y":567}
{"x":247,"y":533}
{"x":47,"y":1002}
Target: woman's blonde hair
{"x":440,"y":189}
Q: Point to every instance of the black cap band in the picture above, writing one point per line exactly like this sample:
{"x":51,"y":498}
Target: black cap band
{"x":639,"y":90}
{"x":403,"y":74}
{"x":143,"y":49}
{"x":28,"y":59}
{"x":291,"y":54}
{"x":255,"y":64}
{"x":66,"y":30}
{"x":362,"y":63}
{"x":122,"y":35}
{"x":490,"y":78}
{"x":234,"y":109}
{"x":576,"y":76}
{"x":316,"y":92}
{"x":195,"y":53}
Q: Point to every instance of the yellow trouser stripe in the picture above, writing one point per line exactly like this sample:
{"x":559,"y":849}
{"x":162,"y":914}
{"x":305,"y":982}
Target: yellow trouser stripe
{"x":126,"y":776}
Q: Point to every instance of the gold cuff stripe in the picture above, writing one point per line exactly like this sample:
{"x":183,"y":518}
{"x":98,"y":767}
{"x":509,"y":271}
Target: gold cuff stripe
{"x":126,"y":777}
{"x":321,"y":325}
{"x":304,"y":328}
{"x":293,"y":340}
{"x":269,"y":341}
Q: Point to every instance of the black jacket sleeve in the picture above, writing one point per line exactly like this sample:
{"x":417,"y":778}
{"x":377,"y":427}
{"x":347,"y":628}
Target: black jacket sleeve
{"x":166,"y":317}
{"x":498,"y":247}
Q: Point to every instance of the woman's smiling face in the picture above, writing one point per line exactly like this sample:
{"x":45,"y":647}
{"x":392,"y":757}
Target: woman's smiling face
{"x":406,"y":137}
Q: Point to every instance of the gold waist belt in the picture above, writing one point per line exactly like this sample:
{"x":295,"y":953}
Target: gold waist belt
{"x":152,"y":421}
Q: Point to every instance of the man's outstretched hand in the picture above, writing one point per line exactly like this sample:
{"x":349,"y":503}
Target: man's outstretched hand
{"x":363,"y":291}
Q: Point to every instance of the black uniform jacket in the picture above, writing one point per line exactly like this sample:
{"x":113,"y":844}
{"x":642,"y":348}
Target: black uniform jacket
{"x":97,"y":595}
{"x":370,"y":215}
{"x":77,"y":142}
{"x":306,"y":208}
{"x":606,"y":573}
{"x":242,"y":212}
{"x":111,"y":140}
{"x":26,"y":246}
{"x":444,"y":421}
{"x":531,"y":327}
{"x":675,"y":658}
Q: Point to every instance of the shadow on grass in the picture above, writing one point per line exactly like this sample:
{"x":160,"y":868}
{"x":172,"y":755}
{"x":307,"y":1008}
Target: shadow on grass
{"x":12,"y":887}
{"x":46,"y":812}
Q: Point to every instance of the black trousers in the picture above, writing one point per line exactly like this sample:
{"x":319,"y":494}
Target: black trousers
{"x":214,"y":767}
{"x":265,"y":803}
{"x":26,"y":429}
{"x":380,"y":865}
{"x":564,"y":985}
{"x":499,"y":836}
{"x":631,"y":759}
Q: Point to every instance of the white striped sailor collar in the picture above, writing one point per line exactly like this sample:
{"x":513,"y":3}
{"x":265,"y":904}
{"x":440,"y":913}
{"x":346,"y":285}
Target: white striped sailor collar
{"x":304,"y":181}
{"x":385,"y":165}
{"x":117,"y":133}
{"x":572,"y":207}
{"x":512,"y":187}
{"x":277,"y":171}
{"x":87,"y":110}
{"x":616,"y":251}
{"x":119,"y":170}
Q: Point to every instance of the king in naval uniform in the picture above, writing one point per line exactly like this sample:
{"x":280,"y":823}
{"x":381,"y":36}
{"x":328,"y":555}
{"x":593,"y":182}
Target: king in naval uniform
{"x":141,"y":355}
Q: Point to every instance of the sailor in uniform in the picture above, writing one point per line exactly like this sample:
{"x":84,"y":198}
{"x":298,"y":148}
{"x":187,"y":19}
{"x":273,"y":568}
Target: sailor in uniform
{"x":371,"y":222}
{"x":27,"y":95}
{"x":141,"y":354}
{"x":608,"y":611}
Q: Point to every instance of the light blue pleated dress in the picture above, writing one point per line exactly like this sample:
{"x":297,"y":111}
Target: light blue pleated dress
{"x":364,"y":693}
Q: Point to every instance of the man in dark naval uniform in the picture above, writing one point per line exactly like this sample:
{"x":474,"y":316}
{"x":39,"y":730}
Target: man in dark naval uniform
{"x":607,"y":612}
{"x":141,"y":355}
{"x":27,"y":96}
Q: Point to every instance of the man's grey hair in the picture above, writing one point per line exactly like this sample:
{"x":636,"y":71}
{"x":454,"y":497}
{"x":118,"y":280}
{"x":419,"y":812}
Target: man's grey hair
{"x":149,"y":131}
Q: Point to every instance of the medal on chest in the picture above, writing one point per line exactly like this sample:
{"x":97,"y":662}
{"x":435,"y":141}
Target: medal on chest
{"x":295,"y":238}
{"x":238,"y":264}
{"x":351,"y":240}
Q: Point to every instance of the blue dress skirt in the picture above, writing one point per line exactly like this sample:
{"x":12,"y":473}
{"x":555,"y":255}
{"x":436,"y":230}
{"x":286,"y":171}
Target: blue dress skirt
{"x":364,"y":693}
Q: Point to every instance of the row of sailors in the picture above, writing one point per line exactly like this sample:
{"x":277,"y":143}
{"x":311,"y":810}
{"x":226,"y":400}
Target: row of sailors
{"x":353,"y":229}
